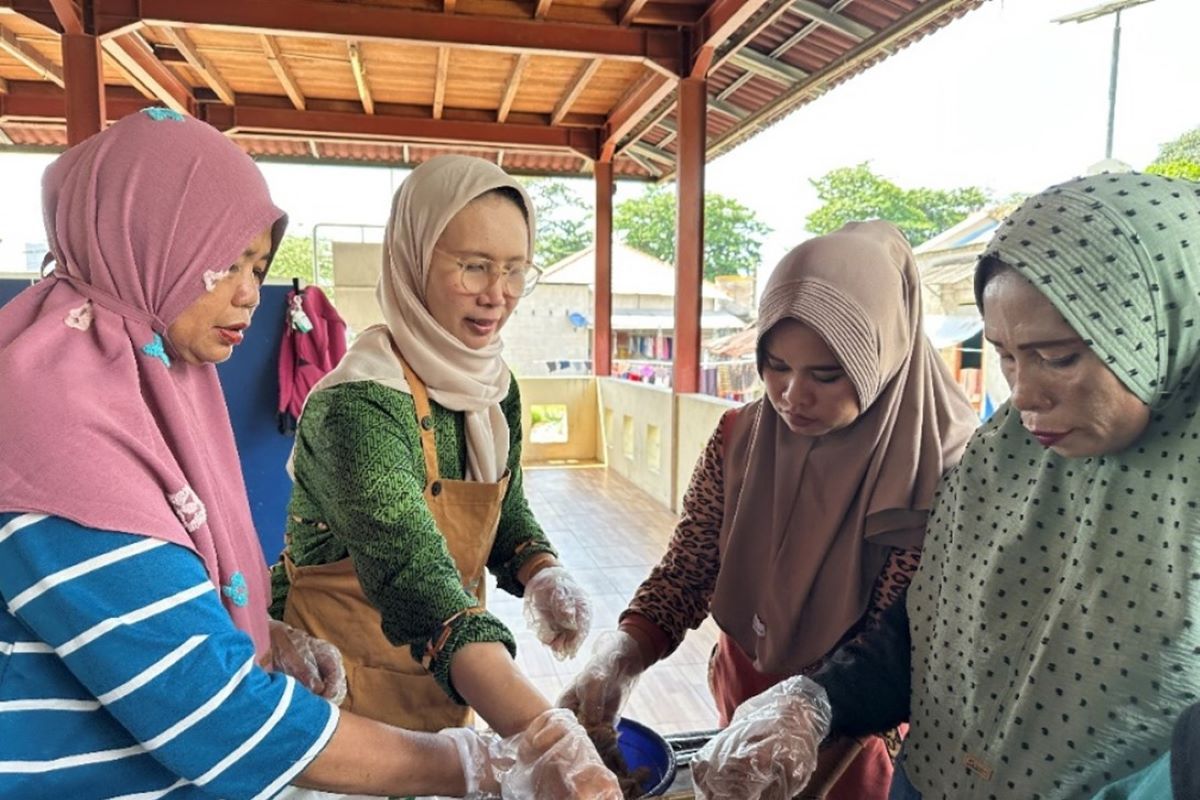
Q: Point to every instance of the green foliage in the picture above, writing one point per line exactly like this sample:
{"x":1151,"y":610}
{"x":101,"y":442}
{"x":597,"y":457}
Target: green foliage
{"x":857,"y":193}
{"x":294,"y":259}
{"x":733,"y":235}
{"x":564,"y":219}
{"x":1179,"y":158}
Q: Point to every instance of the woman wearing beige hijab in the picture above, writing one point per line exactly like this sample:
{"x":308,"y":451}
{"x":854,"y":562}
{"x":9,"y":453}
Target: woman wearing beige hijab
{"x":804,"y":517}
{"x":408,"y":478}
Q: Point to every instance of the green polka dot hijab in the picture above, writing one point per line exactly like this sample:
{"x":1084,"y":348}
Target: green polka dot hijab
{"x":1054,"y":616}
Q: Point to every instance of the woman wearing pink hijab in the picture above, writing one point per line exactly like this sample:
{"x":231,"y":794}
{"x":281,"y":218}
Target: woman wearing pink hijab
{"x":136,"y":655}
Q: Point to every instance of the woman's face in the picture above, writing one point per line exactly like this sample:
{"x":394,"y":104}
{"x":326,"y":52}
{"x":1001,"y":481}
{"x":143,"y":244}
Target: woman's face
{"x":208,"y":330}
{"x":490,"y":228}
{"x":1068,"y":399}
{"x":805,"y":383}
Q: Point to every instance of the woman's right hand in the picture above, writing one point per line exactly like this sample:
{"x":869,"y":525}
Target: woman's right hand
{"x":603,"y":685}
{"x":553,"y":757}
{"x":769,"y":749}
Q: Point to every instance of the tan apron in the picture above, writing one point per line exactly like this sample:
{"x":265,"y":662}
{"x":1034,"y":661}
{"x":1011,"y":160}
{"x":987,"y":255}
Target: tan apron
{"x":385,"y":682}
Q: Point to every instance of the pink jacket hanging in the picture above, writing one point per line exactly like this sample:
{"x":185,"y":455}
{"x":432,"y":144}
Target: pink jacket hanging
{"x":305,"y":356}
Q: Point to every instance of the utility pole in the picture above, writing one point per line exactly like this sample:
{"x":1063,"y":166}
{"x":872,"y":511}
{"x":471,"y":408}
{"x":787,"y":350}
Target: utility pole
{"x":1103,"y":10}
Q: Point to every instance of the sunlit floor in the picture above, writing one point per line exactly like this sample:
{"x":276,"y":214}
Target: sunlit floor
{"x":610,"y":533}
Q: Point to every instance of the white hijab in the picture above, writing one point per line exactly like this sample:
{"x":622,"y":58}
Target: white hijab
{"x":456,"y":376}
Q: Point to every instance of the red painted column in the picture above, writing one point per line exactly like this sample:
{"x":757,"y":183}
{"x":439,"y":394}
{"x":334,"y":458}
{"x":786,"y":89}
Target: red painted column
{"x":602,"y":327}
{"x":84,"y":79}
{"x":689,"y":241}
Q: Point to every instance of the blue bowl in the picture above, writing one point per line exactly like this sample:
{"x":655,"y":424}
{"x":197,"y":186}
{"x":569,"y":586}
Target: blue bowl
{"x":642,"y":747}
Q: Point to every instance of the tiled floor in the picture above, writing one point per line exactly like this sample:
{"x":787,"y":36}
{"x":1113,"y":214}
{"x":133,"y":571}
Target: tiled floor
{"x":610,"y":533}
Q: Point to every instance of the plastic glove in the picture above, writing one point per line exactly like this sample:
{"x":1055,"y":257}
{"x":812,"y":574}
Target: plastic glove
{"x":554,"y":757}
{"x":769,"y":750}
{"x":601,"y":688}
{"x":314,"y":662}
{"x":558,"y":611}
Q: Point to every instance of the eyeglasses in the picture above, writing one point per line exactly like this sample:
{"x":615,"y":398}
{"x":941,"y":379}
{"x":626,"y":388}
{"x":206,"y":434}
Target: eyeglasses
{"x":477,"y":275}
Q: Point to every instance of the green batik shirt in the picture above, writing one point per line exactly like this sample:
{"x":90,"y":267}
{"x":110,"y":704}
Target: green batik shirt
{"x":359,"y":493}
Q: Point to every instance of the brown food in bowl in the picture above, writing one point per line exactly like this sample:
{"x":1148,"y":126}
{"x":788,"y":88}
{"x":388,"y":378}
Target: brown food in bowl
{"x":604,"y":738}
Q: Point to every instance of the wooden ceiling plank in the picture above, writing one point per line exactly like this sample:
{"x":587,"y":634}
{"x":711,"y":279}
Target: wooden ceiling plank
{"x":30,"y":57}
{"x":629,"y":10}
{"x":202,"y":64}
{"x":275,"y":60}
{"x":360,"y":77}
{"x":439,"y":84}
{"x":542,"y":9}
{"x":580,"y":82}
{"x":514,"y":83}
{"x":135,"y":57}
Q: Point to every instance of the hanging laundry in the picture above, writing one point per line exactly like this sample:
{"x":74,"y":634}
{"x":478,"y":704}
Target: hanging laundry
{"x":314,"y":341}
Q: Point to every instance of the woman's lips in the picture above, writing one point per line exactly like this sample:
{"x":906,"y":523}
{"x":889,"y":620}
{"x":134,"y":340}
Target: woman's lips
{"x":231,"y":336}
{"x":482,"y":327}
{"x":798,"y":420}
{"x":1048,"y":438}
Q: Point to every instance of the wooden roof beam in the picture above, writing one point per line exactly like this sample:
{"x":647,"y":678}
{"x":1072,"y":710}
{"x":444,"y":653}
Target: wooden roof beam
{"x":275,"y":60}
{"x":728,"y":109}
{"x":40,"y":102}
{"x":3,"y":86}
{"x":542,"y":9}
{"x":644,"y":163}
{"x":510,"y":90}
{"x":629,"y":10}
{"x":831,"y":19}
{"x":439,"y":83}
{"x":272,"y":120}
{"x":4,"y":140}
{"x":131,"y":52}
{"x":772,"y":69}
{"x":652,"y":152}
{"x":68,"y":16}
{"x":30,"y":57}
{"x":449,"y":6}
{"x":585,"y":74}
{"x":631,"y":110}
{"x":201,"y":64}
{"x":720,"y":22}
{"x":360,"y":77}
{"x":659,"y":49}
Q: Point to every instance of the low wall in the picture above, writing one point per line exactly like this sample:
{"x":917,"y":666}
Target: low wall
{"x":639,"y":428}
{"x":585,"y":439}
{"x":696,"y":417}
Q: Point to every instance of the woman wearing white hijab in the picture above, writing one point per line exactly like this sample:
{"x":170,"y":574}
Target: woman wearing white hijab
{"x":408,"y":478}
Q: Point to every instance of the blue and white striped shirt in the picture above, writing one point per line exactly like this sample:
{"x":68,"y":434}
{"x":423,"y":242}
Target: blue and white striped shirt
{"x":122,"y":676}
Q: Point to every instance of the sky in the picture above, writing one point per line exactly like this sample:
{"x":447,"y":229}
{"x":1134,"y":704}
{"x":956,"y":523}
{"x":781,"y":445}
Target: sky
{"x":1003,"y":98}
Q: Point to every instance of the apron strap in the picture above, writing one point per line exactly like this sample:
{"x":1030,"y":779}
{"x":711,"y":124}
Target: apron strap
{"x":424,"y":422}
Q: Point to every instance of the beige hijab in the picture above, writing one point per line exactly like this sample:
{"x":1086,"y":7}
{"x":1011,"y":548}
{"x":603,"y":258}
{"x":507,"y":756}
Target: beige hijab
{"x":458,"y":377}
{"x":808,"y":521}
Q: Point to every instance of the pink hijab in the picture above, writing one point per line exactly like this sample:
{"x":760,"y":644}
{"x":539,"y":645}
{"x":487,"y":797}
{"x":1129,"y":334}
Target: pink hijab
{"x":102,"y":425}
{"x":809,"y":522}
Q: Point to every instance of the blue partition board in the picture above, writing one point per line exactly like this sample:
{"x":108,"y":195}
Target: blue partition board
{"x":251,"y":384}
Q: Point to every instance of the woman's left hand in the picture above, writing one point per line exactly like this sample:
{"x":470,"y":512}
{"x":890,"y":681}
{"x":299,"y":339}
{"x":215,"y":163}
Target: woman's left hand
{"x":314,"y":662}
{"x":558,"y":610}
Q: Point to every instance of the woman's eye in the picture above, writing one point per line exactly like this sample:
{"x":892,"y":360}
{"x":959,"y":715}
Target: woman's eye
{"x":475,"y":267}
{"x":775,"y":366}
{"x":1060,"y":363}
{"x":828,"y":377}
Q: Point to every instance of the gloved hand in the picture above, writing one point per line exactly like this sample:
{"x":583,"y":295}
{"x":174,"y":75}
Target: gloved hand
{"x":558,"y":611}
{"x":601,"y":688}
{"x":769,"y":750}
{"x":314,"y":662}
{"x":553,"y":757}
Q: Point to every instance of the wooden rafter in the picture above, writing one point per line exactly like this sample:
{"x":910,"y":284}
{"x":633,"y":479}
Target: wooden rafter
{"x":514,"y":83}
{"x":360,"y":77}
{"x":30,"y":57}
{"x":500,"y":158}
{"x":629,"y":10}
{"x":728,"y":109}
{"x":751,"y":60}
{"x":578,"y":84}
{"x":439,"y":84}
{"x":313,"y":149}
{"x":645,"y":164}
{"x":3,"y":86}
{"x":68,"y":16}
{"x":201,"y":64}
{"x":4,"y":138}
{"x":652,"y":152}
{"x":135,"y":58}
{"x":275,"y":60}
{"x":542,"y":9}
{"x":831,"y":19}
{"x":631,"y":111}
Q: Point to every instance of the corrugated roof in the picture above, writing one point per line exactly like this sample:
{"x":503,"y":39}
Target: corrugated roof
{"x":633,"y":272}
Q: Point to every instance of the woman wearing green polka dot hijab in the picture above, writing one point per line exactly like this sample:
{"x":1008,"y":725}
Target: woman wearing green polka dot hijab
{"x":1052,"y":635}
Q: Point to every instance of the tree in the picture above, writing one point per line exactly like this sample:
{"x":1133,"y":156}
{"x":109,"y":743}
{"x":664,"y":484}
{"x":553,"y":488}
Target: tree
{"x":733,"y":235}
{"x":1179,"y":158}
{"x":564,"y":219}
{"x":294,"y":259}
{"x":857,"y":193}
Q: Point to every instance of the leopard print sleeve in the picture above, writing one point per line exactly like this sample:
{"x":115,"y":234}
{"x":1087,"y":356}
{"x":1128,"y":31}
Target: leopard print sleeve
{"x":676,"y":596}
{"x":893,"y":580}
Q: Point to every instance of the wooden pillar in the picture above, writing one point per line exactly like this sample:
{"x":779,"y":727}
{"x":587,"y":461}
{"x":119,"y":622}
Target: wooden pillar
{"x":689,"y":242}
{"x":602,"y":327}
{"x":83,"y":77}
